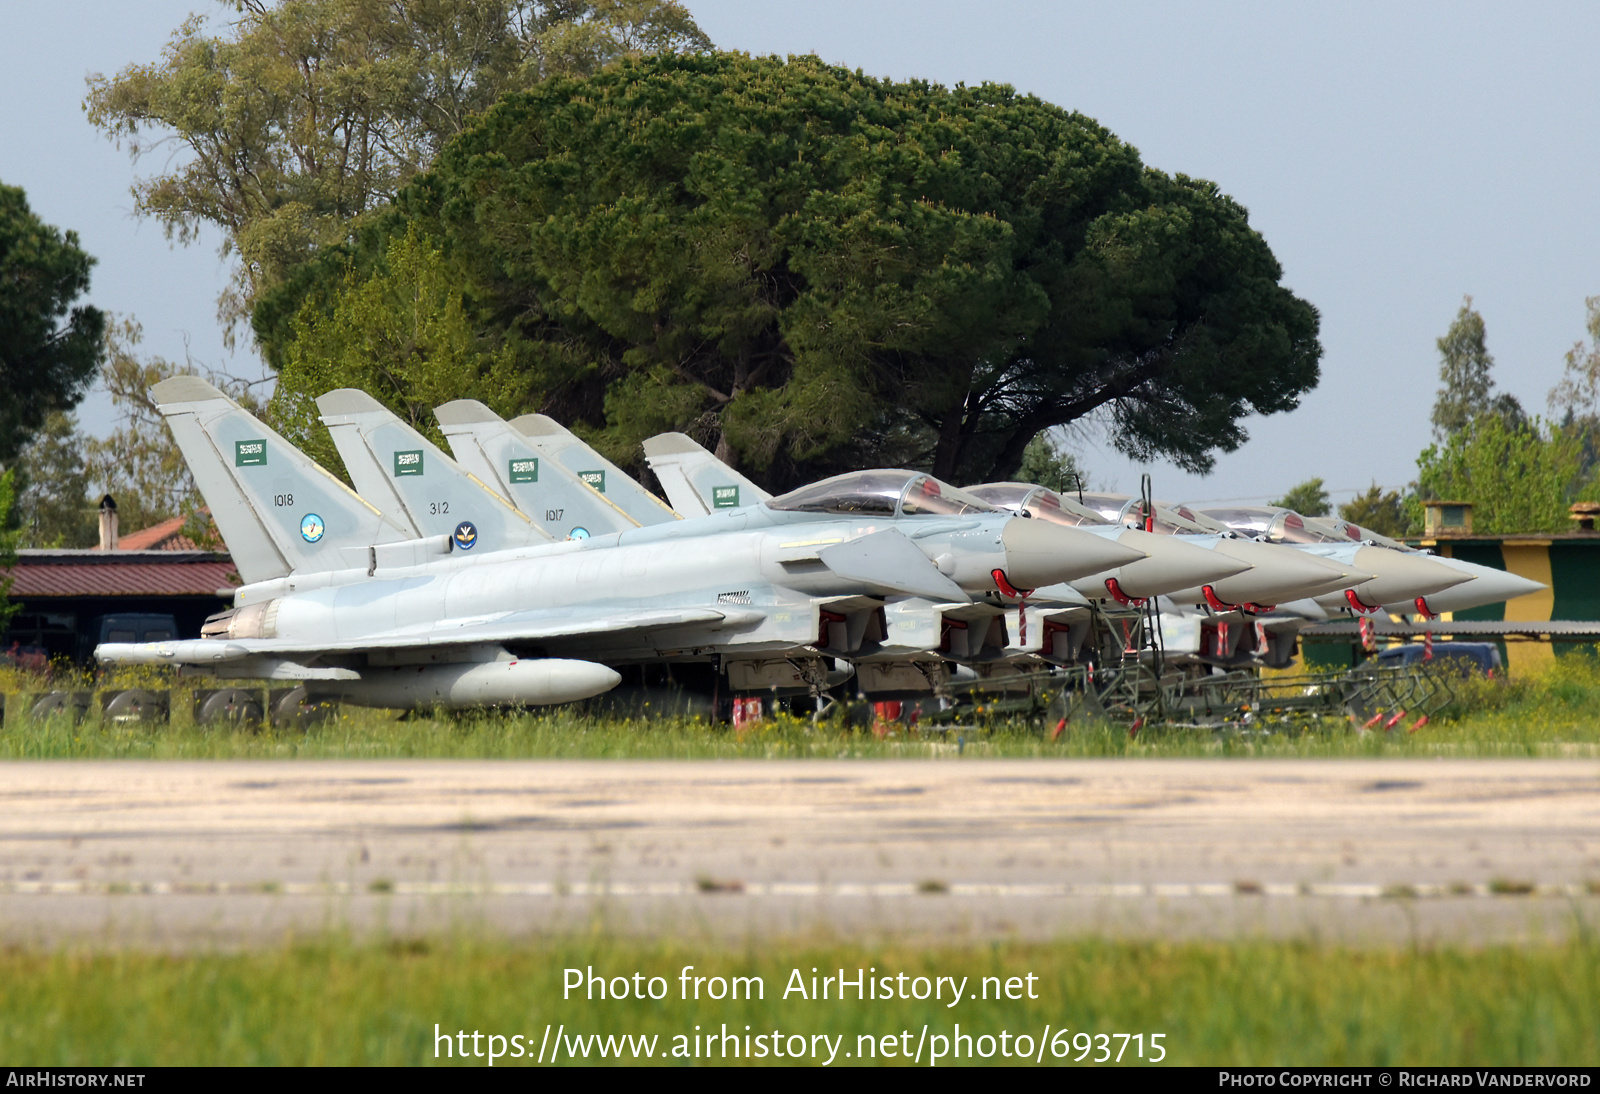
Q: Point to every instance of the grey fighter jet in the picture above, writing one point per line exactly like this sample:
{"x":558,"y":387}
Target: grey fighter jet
{"x":1488,"y":585}
{"x":1171,"y":564}
{"x":1058,"y":616}
{"x":365,"y":432}
{"x":1213,"y":566}
{"x":1276,"y":576}
{"x":928,"y":635}
{"x":349,"y":602}
{"x":1254,"y":619}
{"x":1399,"y":576}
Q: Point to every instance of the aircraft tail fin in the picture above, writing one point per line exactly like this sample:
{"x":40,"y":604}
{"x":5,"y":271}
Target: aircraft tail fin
{"x":406,"y":473}
{"x":486,"y":445}
{"x":560,"y":445}
{"x":696,"y":482}
{"x":277,"y":509}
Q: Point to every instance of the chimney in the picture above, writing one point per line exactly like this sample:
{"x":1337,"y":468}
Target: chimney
{"x":108,"y":524}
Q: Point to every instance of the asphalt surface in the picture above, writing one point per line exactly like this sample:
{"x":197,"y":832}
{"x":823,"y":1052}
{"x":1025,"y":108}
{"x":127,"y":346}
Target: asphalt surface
{"x":225,"y":853}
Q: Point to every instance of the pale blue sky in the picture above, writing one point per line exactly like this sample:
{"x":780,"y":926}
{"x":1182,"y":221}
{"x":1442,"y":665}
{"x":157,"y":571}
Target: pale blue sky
{"x":1396,"y":156}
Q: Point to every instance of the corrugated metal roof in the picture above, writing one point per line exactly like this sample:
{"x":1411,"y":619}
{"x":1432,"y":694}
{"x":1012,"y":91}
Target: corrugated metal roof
{"x":121,"y":573}
{"x":1387,"y":628}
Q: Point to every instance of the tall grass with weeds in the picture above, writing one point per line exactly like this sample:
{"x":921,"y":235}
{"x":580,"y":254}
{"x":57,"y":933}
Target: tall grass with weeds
{"x":1255,"y":1002}
{"x":1553,"y":713}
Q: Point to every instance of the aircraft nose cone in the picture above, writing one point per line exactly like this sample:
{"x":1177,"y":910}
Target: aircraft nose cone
{"x":1488,"y":586}
{"x":1402,"y":576}
{"x":1041,"y":553}
{"x":1170,"y":564}
{"x":1280,"y":574}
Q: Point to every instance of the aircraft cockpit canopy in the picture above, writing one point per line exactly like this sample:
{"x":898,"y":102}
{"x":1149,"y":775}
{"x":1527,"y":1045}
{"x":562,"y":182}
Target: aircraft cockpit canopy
{"x":1121,"y":509}
{"x":1037,"y":502}
{"x":1274,"y":525}
{"x":885,"y":493}
{"x":1200,"y":521}
{"x":1354,"y":532}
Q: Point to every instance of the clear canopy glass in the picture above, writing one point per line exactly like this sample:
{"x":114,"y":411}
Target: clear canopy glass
{"x":1355,"y":533}
{"x":1038,"y":502}
{"x":1274,"y":525}
{"x":887,"y":493}
{"x":1122,"y":509}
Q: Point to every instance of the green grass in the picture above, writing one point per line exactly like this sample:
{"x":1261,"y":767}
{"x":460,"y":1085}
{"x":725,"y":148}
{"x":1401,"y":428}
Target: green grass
{"x":1256,"y":1002}
{"x":372,"y":735}
{"x":1526,"y":727}
{"x":1556,"y":713}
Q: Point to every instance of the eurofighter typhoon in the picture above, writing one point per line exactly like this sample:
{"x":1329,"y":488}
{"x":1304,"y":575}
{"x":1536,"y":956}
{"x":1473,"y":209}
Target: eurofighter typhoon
{"x":900,"y":643}
{"x":356,"y":605}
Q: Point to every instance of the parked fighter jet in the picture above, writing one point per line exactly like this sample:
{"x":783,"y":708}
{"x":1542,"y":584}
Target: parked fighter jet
{"x":356,"y":606}
{"x":1489,"y":585}
{"x":370,"y":436}
{"x":928,"y":635}
{"x":1401,"y":576}
{"x":1212,"y":567}
{"x":1275,"y":576}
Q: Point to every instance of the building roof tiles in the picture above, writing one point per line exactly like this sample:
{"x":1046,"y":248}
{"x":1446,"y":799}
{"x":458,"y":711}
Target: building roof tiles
{"x":120,"y":573}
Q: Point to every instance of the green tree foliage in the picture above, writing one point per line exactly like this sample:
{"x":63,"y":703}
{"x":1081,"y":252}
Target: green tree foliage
{"x":1384,"y":512}
{"x":1047,"y":464}
{"x":1576,"y":397}
{"x":1465,"y":373}
{"x":1519,"y":477}
{"x":53,"y":506}
{"x":401,"y":334}
{"x":139,"y":464}
{"x":1575,"y":400}
{"x":305,"y":114}
{"x":49,"y":347}
{"x":8,"y":546}
{"x":62,"y":474}
{"x":1309,"y":499}
{"x":805,"y":269}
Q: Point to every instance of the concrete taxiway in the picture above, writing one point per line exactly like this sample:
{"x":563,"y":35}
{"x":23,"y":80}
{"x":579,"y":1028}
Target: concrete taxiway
{"x":221,"y":853}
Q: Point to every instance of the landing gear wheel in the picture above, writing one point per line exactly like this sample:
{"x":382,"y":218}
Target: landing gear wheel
{"x":54,"y":705}
{"x":230,"y":706}
{"x":136,"y":705}
{"x":292,"y":709}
